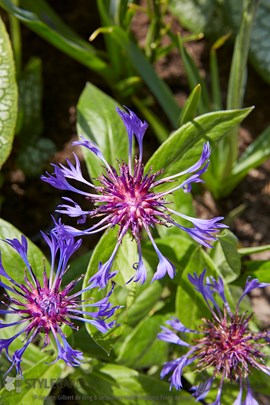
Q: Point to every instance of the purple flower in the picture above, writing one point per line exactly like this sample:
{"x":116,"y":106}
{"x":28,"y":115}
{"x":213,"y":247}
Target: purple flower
{"x":43,"y":307}
{"x":129,"y":198}
{"x":228,"y":348}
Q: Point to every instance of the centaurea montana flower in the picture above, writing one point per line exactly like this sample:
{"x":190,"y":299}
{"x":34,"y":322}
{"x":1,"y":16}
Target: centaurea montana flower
{"x":43,"y":307}
{"x":127,"y":198}
{"x":228,"y":348}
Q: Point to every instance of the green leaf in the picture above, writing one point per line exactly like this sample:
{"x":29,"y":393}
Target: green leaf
{"x":108,"y":16}
{"x":30,"y":99}
{"x":123,"y":262}
{"x":144,"y":68}
{"x":226,"y":256}
{"x":237,"y":78}
{"x":120,"y":12}
{"x":8,"y":95}
{"x":76,"y":269}
{"x":32,"y":355}
{"x":35,"y":386}
{"x":82,"y":341}
{"x":98,"y":120}
{"x":146,"y":297}
{"x":190,"y":306}
{"x":181,"y":202}
{"x":253,"y":249}
{"x":32,"y":157}
{"x":255,"y":154}
{"x":156,"y":123}
{"x":259,"y":382}
{"x":227,"y":150}
{"x":194,"y":77}
{"x":12,"y":261}
{"x":177,"y":247}
{"x":40,"y":17}
{"x":216,"y":18}
{"x":214,"y":73}
{"x":101,"y":253}
{"x":184,"y":147}
{"x":141,"y":348}
{"x":127,"y":87}
{"x":199,"y":16}
{"x":259,"y":46}
{"x":230,"y":391}
{"x":259,"y":269}
{"x":125,"y":386}
{"x":234,"y":10}
{"x":138,"y":300}
{"x":124,"y":259}
{"x":191,"y":105}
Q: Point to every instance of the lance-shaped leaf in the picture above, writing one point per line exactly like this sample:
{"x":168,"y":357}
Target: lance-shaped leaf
{"x":97,"y":120}
{"x":8,"y":95}
{"x":40,"y":17}
{"x":184,"y":146}
{"x":12,"y":262}
{"x":113,"y":383}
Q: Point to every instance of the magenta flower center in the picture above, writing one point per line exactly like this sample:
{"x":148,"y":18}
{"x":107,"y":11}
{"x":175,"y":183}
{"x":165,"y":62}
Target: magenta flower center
{"x":132,"y":205}
{"x":128,"y":200}
{"x":47,"y":307}
{"x":229,"y":347}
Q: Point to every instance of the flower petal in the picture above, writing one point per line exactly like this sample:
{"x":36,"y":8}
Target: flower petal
{"x":251,"y":285}
{"x":134,"y":126}
{"x":250,"y":400}
{"x":168,"y":336}
{"x":202,"y":390}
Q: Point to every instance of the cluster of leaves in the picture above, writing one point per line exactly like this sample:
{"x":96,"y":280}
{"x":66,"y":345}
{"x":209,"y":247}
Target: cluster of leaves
{"x":227,"y":168}
{"x":217,"y":18}
{"x":126,"y":69}
{"x":131,"y":372}
{"x":24,"y":115}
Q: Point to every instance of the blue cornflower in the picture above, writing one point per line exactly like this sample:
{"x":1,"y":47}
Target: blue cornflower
{"x":227,"y":348}
{"x":43,"y":307}
{"x":128,"y":198}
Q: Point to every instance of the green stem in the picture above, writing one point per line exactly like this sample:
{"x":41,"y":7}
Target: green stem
{"x":153,"y":33}
{"x":237,"y":79}
{"x":15,"y":33}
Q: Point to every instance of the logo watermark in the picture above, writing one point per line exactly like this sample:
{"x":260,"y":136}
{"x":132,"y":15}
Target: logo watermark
{"x":19,"y":384}
{"x":13,"y":383}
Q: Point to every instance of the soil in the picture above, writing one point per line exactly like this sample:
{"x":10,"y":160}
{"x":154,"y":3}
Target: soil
{"x":28,"y":202}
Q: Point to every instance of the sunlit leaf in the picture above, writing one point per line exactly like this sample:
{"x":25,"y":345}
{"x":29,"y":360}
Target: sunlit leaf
{"x":99,"y":121}
{"x":8,"y":95}
{"x":12,"y":261}
{"x":184,"y":147}
{"x":107,"y":382}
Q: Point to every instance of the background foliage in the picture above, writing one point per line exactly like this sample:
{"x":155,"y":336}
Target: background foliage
{"x":125,"y":363}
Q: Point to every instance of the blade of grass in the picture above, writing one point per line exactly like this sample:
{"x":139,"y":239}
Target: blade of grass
{"x":40,"y":18}
{"x":193,"y":76}
{"x":157,"y":86}
{"x":191,"y":105}
{"x":160,"y":131}
{"x":237,"y":79}
{"x":214,"y":73}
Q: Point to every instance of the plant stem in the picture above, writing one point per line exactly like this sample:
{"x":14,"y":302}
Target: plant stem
{"x":15,"y":33}
{"x":237,"y":78}
{"x":238,"y":72}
